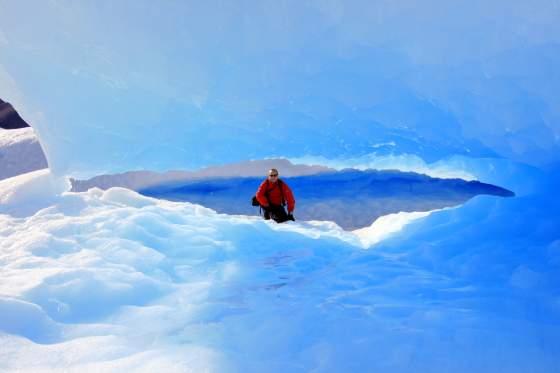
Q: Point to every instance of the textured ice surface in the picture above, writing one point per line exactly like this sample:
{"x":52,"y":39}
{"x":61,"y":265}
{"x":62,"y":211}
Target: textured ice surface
{"x":111,"y":280}
{"x":182,"y":85}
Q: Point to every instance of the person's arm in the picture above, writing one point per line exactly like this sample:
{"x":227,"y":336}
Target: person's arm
{"x":289,"y":196}
{"x":261,"y":194}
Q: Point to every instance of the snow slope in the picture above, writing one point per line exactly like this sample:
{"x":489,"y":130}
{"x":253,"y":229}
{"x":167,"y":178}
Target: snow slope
{"x":112,"y":281}
{"x":20,"y":152}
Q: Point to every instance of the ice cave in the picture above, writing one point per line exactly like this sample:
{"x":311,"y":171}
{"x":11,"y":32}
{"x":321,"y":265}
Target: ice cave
{"x":421,"y":141}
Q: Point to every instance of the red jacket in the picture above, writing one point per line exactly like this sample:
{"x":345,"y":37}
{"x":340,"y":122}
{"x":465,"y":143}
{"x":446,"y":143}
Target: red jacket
{"x":274,"y":194}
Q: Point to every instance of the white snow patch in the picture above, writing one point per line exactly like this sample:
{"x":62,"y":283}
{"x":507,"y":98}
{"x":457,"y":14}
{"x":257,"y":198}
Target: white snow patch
{"x":112,"y":281}
{"x":25,"y":194}
{"x":11,"y":137}
{"x":385,"y":226}
{"x":20,"y":152}
{"x":82,"y":272}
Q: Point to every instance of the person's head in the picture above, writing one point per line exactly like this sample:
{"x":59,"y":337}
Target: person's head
{"x":273,"y":175}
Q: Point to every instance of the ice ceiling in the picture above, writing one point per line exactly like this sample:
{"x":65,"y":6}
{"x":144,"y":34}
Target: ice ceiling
{"x":114,"y":86}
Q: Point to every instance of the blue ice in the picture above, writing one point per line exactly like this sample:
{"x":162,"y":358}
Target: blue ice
{"x":113,"y":280}
{"x":186,"y":85}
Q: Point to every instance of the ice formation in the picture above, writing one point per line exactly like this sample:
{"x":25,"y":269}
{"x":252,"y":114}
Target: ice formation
{"x":186,"y":85}
{"x":114,"y":281}
{"x":111,"y":280}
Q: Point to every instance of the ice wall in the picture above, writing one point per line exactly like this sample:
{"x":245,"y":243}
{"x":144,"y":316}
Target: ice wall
{"x":118,"y":86}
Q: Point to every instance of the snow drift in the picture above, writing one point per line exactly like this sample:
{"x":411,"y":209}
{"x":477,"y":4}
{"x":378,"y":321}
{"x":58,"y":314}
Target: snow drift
{"x":112,"y":280}
{"x":20,"y":152}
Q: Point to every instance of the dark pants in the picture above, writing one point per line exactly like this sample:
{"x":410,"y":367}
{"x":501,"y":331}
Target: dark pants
{"x":277,"y":213}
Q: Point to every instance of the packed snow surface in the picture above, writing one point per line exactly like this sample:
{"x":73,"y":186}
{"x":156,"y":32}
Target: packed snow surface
{"x":112,"y":281}
{"x":20,"y":152}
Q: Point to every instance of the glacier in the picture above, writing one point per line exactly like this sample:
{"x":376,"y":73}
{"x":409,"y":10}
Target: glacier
{"x":185,"y":85}
{"x":112,"y":280}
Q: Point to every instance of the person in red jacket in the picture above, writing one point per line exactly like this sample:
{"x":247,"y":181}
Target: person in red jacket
{"x":272,"y":195}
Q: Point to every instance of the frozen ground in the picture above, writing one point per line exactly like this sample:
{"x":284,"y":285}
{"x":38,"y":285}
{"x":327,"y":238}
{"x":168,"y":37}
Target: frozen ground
{"x":112,"y":280}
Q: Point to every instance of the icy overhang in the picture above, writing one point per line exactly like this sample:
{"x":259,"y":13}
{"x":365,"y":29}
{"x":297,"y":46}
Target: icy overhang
{"x":112,"y":87}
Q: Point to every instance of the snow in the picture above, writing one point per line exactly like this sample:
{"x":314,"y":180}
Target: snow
{"x":20,"y":152}
{"x":112,"y":280}
{"x":385,"y":226}
{"x":28,"y":193}
{"x":12,"y":137}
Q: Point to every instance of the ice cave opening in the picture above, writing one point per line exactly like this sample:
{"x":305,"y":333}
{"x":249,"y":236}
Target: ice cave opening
{"x":353,"y":198}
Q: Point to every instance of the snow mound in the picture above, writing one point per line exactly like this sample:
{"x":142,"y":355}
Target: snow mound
{"x":386,"y":225}
{"x":112,"y":280}
{"x":25,"y":194}
{"x":107,"y":256}
{"x":20,"y":152}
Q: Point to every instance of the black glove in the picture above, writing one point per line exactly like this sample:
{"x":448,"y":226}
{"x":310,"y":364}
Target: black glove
{"x":291,"y":217}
